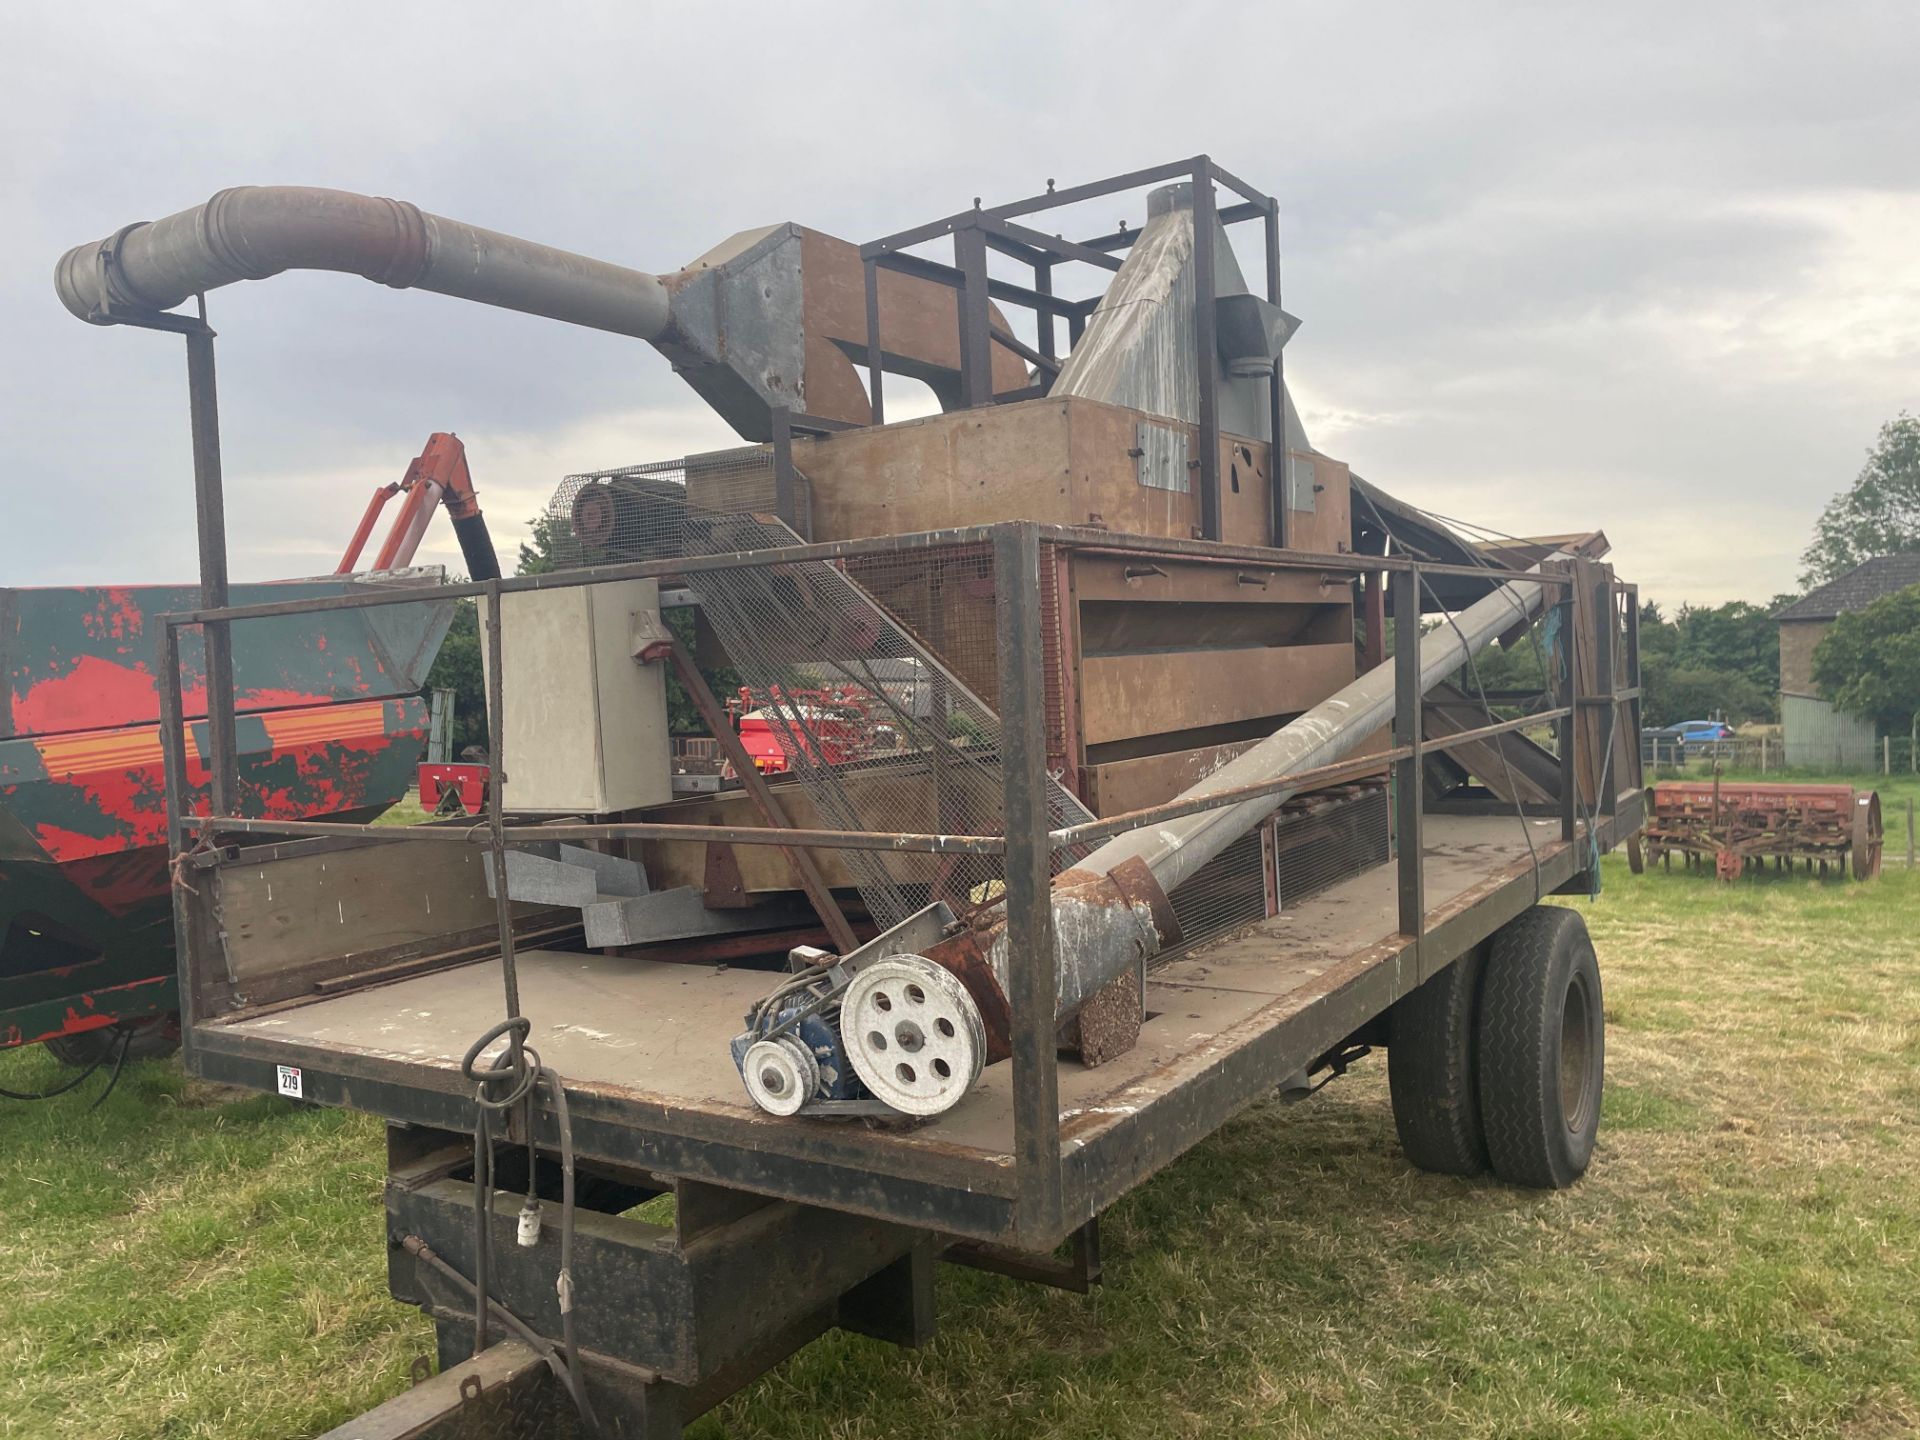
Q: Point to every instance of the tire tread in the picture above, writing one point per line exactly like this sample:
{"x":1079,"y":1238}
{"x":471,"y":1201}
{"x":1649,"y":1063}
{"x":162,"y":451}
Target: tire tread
{"x":1430,"y":1071}
{"x":1515,"y":1086}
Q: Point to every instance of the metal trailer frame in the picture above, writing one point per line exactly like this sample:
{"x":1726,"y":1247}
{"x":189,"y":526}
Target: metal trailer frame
{"x":700,"y":1319}
{"x":974,"y":232}
{"x":704,"y":1322}
{"x":1052,"y":1189}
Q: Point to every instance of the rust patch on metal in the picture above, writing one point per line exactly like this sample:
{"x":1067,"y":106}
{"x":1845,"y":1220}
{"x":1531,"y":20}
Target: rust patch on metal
{"x":724,"y":889}
{"x":965,"y":954}
{"x":1137,"y":886}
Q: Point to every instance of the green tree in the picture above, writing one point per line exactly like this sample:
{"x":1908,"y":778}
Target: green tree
{"x":1879,"y":514}
{"x":1672,"y":692}
{"x":547,"y":537}
{"x":458,"y":667}
{"x":1739,"y":638}
{"x":1710,"y":660}
{"x":1868,"y":663}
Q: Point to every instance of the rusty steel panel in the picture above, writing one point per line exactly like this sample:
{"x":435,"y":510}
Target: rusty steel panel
{"x":82,"y":657}
{"x":1738,"y":825}
{"x":85,"y":926}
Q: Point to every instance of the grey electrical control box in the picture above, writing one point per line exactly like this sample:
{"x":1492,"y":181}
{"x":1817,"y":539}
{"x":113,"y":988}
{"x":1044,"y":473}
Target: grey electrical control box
{"x":585,"y":722}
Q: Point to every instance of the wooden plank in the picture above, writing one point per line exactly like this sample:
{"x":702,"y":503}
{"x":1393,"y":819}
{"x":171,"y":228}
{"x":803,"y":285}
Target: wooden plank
{"x":898,"y":792}
{"x":1062,"y":462}
{"x":652,"y":1036}
{"x":919,"y":322}
{"x":1122,"y":785}
{"x":969,"y":467}
{"x":1513,"y":767}
{"x":502,"y":1379}
{"x":1131,"y":695}
{"x":280,"y":915}
{"x":1590,"y":722}
{"x":1328,"y":528}
{"x":1145,"y":577}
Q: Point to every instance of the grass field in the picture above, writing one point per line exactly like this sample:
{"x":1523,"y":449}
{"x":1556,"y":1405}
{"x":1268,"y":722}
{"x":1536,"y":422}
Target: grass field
{"x":1743,"y":1259}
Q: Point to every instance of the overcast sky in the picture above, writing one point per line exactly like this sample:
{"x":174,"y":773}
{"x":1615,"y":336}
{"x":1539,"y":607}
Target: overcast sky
{"x":1654,"y":269}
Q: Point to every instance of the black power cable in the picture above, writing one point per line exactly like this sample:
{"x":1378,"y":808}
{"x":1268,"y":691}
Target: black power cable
{"x":119,"y":1054}
{"x":510,"y":1079}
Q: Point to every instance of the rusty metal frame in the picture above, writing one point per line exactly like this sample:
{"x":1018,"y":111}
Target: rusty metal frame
{"x":974,"y":232}
{"x":1055,"y":1184}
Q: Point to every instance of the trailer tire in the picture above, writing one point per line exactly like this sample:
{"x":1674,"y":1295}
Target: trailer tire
{"x":1430,"y":1071}
{"x":1541,"y":1049}
{"x":152,"y":1040}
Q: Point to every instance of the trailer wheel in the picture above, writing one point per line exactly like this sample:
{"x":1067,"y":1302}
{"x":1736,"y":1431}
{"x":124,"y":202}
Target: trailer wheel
{"x":1430,"y":1071}
{"x":152,"y":1040}
{"x":1541,"y":1049}
{"x":1869,"y":836}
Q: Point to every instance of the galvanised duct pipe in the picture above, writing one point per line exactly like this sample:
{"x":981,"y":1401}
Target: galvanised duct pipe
{"x":1101,"y":930}
{"x":252,"y":232}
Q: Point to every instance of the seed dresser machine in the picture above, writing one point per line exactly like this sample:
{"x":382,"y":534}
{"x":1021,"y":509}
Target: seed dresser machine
{"x":1153,"y":775}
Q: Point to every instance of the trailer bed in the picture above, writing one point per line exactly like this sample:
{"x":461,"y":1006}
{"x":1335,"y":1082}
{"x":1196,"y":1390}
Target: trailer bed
{"x":642,"y":1045}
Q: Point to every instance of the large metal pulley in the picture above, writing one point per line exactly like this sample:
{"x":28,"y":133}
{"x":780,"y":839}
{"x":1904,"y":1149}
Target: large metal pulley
{"x":912,"y":1034}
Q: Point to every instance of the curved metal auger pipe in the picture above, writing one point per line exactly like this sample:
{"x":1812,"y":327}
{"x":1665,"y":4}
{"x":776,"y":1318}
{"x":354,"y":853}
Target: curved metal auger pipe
{"x":253,"y":232}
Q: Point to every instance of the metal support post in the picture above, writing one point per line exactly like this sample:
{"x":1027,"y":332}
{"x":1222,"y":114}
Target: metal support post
{"x":875,"y":357}
{"x":783,"y":484}
{"x":1568,"y":729}
{"x":976,"y":340}
{"x":1632,"y":596}
{"x":1407,"y":783}
{"x":211,"y":517}
{"x":1278,"y":465}
{"x":1206,"y":353}
{"x":1043,"y":317}
{"x":1373,"y":612}
{"x":1607,"y":798}
{"x":1033,"y":986}
{"x":714,"y":717}
{"x":173,"y":759}
{"x":496,"y":815}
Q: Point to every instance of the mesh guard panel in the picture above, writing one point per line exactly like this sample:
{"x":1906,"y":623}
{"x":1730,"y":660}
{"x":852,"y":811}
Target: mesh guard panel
{"x":883,"y":715}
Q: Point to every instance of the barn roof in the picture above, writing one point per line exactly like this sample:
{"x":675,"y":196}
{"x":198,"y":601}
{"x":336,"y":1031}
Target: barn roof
{"x":1873,"y":580}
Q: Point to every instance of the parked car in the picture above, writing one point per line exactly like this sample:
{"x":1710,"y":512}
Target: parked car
{"x":1670,"y":744}
{"x":1695,"y":732}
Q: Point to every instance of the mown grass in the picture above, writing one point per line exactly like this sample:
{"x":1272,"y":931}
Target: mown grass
{"x":1743,"y":1259}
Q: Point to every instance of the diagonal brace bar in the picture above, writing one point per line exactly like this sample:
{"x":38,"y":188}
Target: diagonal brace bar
{"x":714,"y":717}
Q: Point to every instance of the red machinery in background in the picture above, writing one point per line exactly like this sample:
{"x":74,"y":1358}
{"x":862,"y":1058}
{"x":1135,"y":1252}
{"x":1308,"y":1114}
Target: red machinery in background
{"x":452,"y":787}
{"x":836,"y":722}
{"x":438,"y":475}
{"x":330,"y":724}
{"x":1742,"y":825}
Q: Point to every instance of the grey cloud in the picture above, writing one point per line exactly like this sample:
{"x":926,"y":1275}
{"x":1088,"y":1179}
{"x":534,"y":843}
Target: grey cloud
{"x":1548,"y":248}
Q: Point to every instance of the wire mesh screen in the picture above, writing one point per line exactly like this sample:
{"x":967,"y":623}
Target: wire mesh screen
{"x":1317,"y":840}
{"x":945,"y":598}
{"x":1329,"y":836}
{"x":878,"y":713}
{"x":1227,"y":892}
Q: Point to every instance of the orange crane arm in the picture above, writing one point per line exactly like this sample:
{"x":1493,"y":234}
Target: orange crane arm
{"x":438,"y":476}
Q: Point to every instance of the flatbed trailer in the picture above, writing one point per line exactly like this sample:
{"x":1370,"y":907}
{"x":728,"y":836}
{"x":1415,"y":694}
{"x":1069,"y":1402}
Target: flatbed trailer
{"x":315,"y":973}
{"x":1105,"y":662}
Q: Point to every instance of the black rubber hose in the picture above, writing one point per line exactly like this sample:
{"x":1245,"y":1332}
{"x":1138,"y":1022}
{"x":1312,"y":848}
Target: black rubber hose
{"x":476,"y":546}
